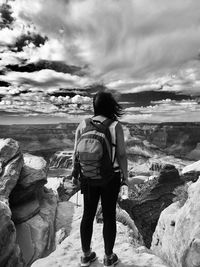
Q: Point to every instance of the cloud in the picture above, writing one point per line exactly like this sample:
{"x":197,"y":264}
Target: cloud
{"x":164,"y":111}
{"x":46,"y":78}
{"x":36,"y":102}
{"x":77,"y":99}
{"x":8,"y":36}
{"x":119,"y":37}
{"x":130,"y":46}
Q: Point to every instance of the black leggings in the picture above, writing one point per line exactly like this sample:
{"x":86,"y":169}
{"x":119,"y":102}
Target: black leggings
{"x":109,"y":195}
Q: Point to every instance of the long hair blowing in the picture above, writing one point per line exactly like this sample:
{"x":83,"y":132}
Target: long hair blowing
{"x":105,"y":104}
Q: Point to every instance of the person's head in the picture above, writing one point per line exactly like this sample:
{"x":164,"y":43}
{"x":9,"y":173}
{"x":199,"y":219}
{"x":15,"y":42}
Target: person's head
{"x":104,"y":104}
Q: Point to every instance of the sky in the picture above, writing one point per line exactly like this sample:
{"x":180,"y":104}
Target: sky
{"x":55,"y":54}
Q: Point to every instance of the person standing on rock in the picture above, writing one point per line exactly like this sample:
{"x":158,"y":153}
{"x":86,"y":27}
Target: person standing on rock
{"x":100,"y":166}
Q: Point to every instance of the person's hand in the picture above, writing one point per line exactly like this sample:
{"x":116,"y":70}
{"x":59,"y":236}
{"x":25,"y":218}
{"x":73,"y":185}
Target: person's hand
{"x":75,"y":173}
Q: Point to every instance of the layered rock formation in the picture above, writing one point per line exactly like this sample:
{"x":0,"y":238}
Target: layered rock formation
{"x":145,"y":208}
{"x":28,"y":210}
{"x":179,"y":139}
{"x":11,"y":162}
{"x":42,"y":140}
{"x":9,"y":251}
{"x":61,"y":159}
{"x":177,"y":235}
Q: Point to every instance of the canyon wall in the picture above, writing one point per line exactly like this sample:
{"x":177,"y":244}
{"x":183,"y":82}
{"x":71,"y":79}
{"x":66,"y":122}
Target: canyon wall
{"x":181,"y":140}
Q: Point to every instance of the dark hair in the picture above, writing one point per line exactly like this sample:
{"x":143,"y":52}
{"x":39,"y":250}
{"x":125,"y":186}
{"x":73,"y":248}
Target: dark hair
{"x":105,"y":104}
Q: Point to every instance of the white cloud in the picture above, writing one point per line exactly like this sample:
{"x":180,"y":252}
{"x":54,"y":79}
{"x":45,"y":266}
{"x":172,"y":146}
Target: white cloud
{"x":164,"y":111}
{"x":129,"y":47}
{"x":77,"y":99}
{"x":9,"y":36}
{"x":119,"y":37}
{"x":52,"y":50}
{"x":46,"y":78}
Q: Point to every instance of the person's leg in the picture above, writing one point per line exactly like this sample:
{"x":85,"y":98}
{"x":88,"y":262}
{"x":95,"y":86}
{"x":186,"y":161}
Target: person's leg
{"x":109,"y":195}
{"x":91,"y":198}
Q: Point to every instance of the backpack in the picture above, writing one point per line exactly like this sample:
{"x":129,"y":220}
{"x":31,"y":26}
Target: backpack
{"x":94,"y":152}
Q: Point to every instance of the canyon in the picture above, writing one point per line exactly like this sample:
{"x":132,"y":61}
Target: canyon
{"x":42,"y":153}
{"x":177,"y":143}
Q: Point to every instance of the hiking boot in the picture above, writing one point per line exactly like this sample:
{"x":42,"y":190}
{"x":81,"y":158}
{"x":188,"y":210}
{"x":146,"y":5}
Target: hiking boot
{"x":110,"y":261}
{"x":86,"y":260}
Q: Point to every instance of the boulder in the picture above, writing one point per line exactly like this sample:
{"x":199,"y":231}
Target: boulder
{"x":10,"y":176}
{"x":168,"y":174}
{"x":24,"y":212}
{"x":9,"y":251}
{"x":9,"y":148}
{"x":177,"y":235}
{"x":11,"y":163}
{"x":155,"y":196}
{"x":34,"y":170}
{"x":66,"y":189}
{"x":32,"y":178}
{"x":21,"y":195}
{"x":36,"y":236}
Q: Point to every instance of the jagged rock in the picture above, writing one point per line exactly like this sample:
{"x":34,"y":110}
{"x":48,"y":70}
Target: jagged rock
{"x":10,"y":176}
{"x":34,"y":170}
{"x":24,"y":212}
{"x":69,"y":251}
{"x":33,"y":176}
{"x":61,"y":159}
{"x":168,"y":174}
{"x":9,"y":251}
{"x":190,"y":176}
{"x":36,"y":237}
{"x":9,"y":148}
{"x":11,"y":163}
{"x":146,"y":208}
{"x":177,"y":235}
{"x":66,"y":189}
{"x":21,"y":195}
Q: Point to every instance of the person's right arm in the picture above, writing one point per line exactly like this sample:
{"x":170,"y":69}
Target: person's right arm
{"x":121,"y":152}
{"x":75,"y":171}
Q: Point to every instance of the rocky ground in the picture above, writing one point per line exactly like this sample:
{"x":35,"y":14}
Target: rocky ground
{"x":68,"y":253}
{"x":38,"y":218}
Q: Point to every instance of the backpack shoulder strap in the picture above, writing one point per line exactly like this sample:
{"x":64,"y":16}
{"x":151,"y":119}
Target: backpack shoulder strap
{"x":107,"y":122}
{"x":114,"y":142}
{"x":86,"y":122}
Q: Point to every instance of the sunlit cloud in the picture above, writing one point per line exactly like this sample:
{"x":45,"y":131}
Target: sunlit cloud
{"x":46,"y":79}
{"x":124,"y":45}
{"x":164,"y":111}
{"x":122,"y":37}
{"x":39,"y":103}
